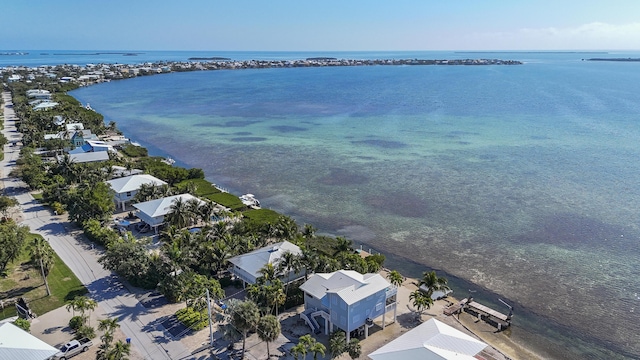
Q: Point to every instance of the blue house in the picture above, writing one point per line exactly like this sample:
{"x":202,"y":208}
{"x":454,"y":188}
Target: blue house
{"x":347,"y":300}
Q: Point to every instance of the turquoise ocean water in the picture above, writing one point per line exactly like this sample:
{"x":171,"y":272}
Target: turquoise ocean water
{"x":517,"y":182}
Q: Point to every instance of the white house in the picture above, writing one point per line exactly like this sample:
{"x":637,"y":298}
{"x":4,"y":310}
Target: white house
{"x":89,"y":157}
{"x":126,"y":188}
{"x":431,"y":340}
{"x":92,"y":146}
{"x":347,"y":300}
{"x":247,"y":266}
{"x":16,"y":343}
{"x":152,"y":212}
{"x":45,"y":105}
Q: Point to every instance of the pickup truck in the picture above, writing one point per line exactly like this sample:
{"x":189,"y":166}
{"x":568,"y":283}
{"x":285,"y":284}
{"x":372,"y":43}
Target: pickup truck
{"x":72,"y":348}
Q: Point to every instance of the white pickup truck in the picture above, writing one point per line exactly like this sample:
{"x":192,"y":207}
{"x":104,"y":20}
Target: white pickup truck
{"x":72,"y":348}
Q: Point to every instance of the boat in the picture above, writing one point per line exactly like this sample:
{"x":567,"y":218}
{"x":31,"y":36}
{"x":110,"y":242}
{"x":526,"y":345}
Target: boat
{"x":250,"y":200}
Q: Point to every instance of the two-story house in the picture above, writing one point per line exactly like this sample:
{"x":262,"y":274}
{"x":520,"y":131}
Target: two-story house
{"x":347,"y":300}
{"x":126,"y":188}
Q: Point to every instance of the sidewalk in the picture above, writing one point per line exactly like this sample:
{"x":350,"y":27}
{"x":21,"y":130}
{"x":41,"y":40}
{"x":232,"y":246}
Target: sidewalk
{"x":136,"y":322}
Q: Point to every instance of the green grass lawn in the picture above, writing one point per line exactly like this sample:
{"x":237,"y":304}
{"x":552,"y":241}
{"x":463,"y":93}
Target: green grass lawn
{"x":24,"y":280}
{"x":37,"y":196}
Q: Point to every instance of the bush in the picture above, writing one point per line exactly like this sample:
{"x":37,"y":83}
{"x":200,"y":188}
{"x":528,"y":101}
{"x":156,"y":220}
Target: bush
{"x":76,"y":322}
{"x":57,"y":207}
{"x":135,"y":151}
{"x":195,"y":320}
{"x":85,"y":331}
{"x":23,"y":324}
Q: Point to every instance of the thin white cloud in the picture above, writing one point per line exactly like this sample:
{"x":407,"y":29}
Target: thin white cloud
{"x":595,"y":35}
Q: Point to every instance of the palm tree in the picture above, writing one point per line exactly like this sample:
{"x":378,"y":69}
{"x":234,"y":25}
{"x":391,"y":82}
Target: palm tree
{"x":268,"y":273}
{"x":180,"y":214}
{"x":245,"y":317}
{"x":298,"y":350}
{"x":42,"y":253}
{"x":354,"y":348}
{"x":109,"y":326}
{"x":268,"y":330}
{"x":343,"y":245}
{"x":289,"y":262}
{"x":337,"y":343}
{"x":120,"y":351}
{"x":420,"y":301}
{"x":82,"y":304}
{"x":395,"y":278}
{"x":317,"y":348}
{"x":432,"y":282}
{"x":308,"y":231}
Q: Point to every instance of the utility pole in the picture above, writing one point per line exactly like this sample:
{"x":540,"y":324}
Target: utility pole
{"x":210,"y":324}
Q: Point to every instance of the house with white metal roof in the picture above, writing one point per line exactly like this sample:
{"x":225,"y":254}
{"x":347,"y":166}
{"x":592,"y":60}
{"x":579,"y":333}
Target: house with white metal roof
{"x":247,"y":266}
{"x":431,"y":340}
{"x":347,"y":300}
{"x":16,"y":343}
{"x":152,"y":212}
{"x":126,"y":188}
{"x":89,"y":157}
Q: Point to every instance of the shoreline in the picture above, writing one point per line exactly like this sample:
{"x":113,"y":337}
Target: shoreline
{"x":485,"y":332}
{"x":415,"y":262}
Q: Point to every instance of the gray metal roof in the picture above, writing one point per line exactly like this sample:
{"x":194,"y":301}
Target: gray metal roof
{"x":254,"y":261}
{"x":17,"y":344}
{"x":350,"y":285}
{"x":431,"y":340}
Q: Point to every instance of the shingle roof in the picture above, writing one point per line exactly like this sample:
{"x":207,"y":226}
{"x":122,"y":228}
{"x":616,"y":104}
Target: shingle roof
{"x":350,"y":285}
{"x":17,"y":344}
{"x":254,"y":261}
{"x":430,"y":340}
{"x":133,"y":183}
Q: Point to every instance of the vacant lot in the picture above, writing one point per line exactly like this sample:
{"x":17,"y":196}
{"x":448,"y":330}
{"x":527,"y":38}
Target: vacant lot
{"x":24,"y":279}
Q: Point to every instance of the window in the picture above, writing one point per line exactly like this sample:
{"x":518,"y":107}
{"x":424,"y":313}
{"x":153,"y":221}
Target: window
{"x":128,"y":193}
{"x":379,"y":306}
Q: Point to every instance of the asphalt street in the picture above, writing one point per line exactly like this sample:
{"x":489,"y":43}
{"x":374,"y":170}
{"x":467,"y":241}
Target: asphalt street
{"x":137,"y":323}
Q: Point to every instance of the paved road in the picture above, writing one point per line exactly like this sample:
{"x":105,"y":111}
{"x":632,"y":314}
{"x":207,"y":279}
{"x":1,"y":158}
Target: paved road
{"x":135,"y":320}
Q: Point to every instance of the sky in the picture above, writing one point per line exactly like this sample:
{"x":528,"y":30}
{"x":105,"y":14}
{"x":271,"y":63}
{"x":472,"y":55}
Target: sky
{"x":325,"y":25}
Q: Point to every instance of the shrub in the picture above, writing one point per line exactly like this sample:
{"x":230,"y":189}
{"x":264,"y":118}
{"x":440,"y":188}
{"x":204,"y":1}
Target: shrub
{"x":85,"y":331}
{"x":76,"y":322}
{"x":23,"y":324}
{"x":135,"y":151}
{"x":195,"y":320}
{"x":57,"y":207}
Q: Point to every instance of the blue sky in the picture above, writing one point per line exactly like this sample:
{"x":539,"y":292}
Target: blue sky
{"x":346,"y":25}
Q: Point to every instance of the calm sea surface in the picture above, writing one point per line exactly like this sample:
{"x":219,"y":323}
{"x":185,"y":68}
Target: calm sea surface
{"x":517,"y":182}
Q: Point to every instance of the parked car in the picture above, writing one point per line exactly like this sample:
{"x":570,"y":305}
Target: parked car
{"x":72,"y":348}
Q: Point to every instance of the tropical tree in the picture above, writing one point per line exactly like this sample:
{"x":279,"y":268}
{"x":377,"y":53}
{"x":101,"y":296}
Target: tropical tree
{"x":337,"y":343}
{"x":6,"y":203}
{"x":354,"y":349}
{"x":395,"y":278}
{"x":180,"y":214}
{"x":317,"y":348}
{"x":119,"y":351}
{"x":342,"y":246}
{"x":433,"y":283}
{"x":299,"y":349}
{"x":42,"y":254}
{"x":109,"y":326}
{"x":268,"y":330}
{"x":289,"y":262}
{"x":12,"y":239}
{"x":245,"y":317}
{"x":420,"y":301}
{"x":82,"y":304}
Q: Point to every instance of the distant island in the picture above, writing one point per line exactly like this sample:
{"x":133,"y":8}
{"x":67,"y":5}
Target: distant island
{"x":613,"y":59}
{"x":210,"y":58}
{"x":13,"y":53}
{"x":102,"y":53}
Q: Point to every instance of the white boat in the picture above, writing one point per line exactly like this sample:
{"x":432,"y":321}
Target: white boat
{"x":250,"y":200}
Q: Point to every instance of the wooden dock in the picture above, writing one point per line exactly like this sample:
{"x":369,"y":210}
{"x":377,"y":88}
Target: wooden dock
{"x":484,"y":313}
{"x":496,"y":318}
